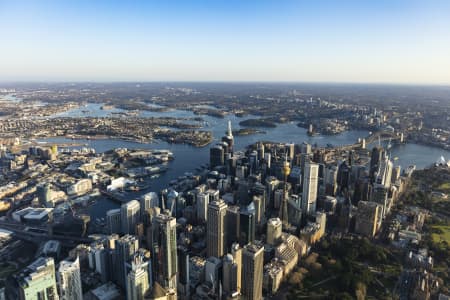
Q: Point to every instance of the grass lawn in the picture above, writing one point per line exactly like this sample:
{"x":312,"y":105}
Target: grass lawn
{"x":443,"y":236}
{"x":445,"y":187}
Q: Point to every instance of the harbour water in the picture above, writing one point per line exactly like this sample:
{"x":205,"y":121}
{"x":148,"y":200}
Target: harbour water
{"x":187,"y":158}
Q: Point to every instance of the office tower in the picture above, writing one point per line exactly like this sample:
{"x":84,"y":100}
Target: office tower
{"x":69,"y":280}
{"x":130,"y":216}
{"x":164,"y":251}
{"x":213,"y":272}
{"x":310,"y":182}
{"x":268,"y":159}
{"x":215,"y":229}
{"x":183,"y":271}
{"x":137,"y":278}
{"x":274,"y":229}
{"x":38,"y":281}
{"x":125,"y":248}
{"x":295,"y":178}
{"x":236,"y":252}
{"x":330,"y":180}
{"x":343,"y":177}
{"x":252,"y":270}
{"x":229,"y":275}
{"x":396,"y":174}
{"x":228,"y":138}
{"x":246,"y":227}
{"x":375,"y":159}
{"x":305,"y":148}
{"x":290,"y":150}
{"x":243,"y":192}
{"x":148,"y":201}
{"x":272,"y":184}
{"x":113,"y":220}
{"x":283,"y":214}
{"x":259,"y":208}
{"x":278,"y":198}
{"x":202,"y":207}
{"x":241,"y":171}
{"x":232,"y":225}
{"x":253,"y":161}
{"x":384,"y":175}
{"x":367,"y":218}
{"x":261,"y":150}
{"x":216,"y":156}
{"x":380,"y":196}
{"x":100,"y":261}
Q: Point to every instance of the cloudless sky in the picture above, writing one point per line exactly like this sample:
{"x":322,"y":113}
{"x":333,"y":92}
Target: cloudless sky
{"x":387,"y":41}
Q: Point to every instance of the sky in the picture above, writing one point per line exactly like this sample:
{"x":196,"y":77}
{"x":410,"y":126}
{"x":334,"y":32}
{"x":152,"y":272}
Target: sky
{"x":383,"y":41}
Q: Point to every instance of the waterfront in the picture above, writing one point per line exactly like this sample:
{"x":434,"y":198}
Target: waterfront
{"x":188,"y":158}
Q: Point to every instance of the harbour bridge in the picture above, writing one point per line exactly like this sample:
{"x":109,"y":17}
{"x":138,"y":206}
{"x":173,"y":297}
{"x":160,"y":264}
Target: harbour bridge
{"x":381,"y":136}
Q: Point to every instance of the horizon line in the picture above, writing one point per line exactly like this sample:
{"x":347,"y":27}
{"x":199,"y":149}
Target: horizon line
{"x":374,"y":83}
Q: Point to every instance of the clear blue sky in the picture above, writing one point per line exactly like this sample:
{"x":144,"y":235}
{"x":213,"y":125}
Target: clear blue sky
{"x":404,"y":41}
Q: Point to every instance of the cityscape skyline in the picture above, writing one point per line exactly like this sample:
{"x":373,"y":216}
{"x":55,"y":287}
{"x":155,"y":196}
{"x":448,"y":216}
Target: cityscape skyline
{"x":229,"y":150}
{"x":404,"y":42}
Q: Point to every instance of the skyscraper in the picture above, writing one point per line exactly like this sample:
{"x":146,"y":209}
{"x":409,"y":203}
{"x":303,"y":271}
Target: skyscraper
{"x":69,"y":280}
{"x":274,"y":229}
{"x":164,"y":251}
{"x":149,"y":200}
{"x":215,"y":229}
{"x":232,"y":225}
{"x":310,"y":182}
{"x":202,"y":206}
{"x":236,"y":252}
{"x":367,"y":219}
{"x":130,"y":215}
{"x":125,"y":248}
{"x":216,"y":156}
{"x":38,"y":281}
{"x":228,"y":138}
{"x":246,"y":227}
{"x":283,"y":208}
{"x":252,"y":271}
{"x":375,"y":159}
{"x":183,"y":271}
{"x":230,"y":274}
{"x":137,"y":278}
{"x":113,"y":220}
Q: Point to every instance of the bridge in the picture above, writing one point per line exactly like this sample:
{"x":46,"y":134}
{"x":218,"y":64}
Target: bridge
{"x":37,"y":234}
{"x":381,"y":136}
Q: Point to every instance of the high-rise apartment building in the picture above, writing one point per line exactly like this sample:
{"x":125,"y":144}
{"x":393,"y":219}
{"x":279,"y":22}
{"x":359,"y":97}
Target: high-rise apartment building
{"x":38,"y":280}
{"x":69,"y":280}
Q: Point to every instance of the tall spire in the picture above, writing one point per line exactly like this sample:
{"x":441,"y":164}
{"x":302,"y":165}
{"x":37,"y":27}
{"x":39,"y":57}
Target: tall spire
{"x":229,"y":132}
{"x":283,"y":214}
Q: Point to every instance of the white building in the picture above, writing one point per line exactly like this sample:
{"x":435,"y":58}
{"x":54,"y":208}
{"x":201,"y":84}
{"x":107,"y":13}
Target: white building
{"x":81,"y":187}
{"x":130,"y":215}
{"x":310,"y":183}
{"x":69,"y":280}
